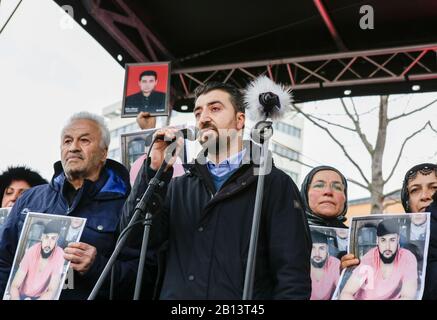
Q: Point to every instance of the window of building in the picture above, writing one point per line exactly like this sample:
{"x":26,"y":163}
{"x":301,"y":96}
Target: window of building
{"x":287,"y":129}
{"x":114,"y":154}
{"x":285,"y":152}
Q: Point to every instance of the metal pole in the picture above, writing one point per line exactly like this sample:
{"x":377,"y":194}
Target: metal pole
{"x":143,"y":256}
{"x":139,"y":209}
{"x":251,"y":260}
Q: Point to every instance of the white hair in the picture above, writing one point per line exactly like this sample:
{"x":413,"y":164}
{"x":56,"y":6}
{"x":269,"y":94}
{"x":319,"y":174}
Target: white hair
{"x":99,"y":120}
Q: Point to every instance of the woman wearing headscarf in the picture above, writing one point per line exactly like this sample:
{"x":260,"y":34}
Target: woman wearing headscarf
{"x":14,"y":181}
{"x":419,"y":185}
{"x":324,"y":195}
{"x":418,"y":194}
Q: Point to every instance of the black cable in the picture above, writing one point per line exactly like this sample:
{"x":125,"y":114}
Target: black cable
{"x":122,"y":234}
{"x":10,"y":17}
{"x":147,"y":158}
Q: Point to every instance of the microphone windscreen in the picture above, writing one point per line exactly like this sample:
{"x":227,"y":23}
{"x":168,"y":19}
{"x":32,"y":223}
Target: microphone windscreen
{"x":260,"y":88}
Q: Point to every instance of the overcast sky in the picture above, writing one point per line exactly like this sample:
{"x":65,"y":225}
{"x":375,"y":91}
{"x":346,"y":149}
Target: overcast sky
{"x":50,"y":68}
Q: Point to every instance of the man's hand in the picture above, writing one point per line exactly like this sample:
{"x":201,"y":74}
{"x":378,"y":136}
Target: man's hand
{"x":158,"y":152}
{"x":81,"y":255}
{"x":145,"y":121}
{"x":348,"y":260}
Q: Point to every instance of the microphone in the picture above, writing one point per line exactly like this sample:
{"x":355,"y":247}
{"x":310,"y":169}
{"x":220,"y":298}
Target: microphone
{"x":188,"y":133}
{"x":265,"y":99}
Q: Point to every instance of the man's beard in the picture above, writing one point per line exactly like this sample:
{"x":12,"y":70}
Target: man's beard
{"x":212,"y":143}
{"x":389,"y":260}
{"x":318,"y":265}
{"x":73,"y":173}
{"x":45,"y":255}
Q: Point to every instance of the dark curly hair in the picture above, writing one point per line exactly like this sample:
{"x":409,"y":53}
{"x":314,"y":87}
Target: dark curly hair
{"x":19,"y":173}
{"x":235,"y":94}
{"x":423,"y":168}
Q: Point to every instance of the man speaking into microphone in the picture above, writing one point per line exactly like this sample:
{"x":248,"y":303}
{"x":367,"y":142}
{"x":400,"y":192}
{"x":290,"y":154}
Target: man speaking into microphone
{"x":199,"y":240}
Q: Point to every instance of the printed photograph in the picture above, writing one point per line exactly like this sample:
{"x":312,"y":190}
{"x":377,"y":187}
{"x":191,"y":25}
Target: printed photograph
{"x":4,"y":212}
{"x":39,"y":268}
{"x":329,"y":245}
{"x":135,"y":146}
{"x":392,"y":250}
{"x":146,"y":89}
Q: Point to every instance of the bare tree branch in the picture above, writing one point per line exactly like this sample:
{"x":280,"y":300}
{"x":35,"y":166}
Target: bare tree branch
{"x":355,"y":110}
{"x":432,"y":128}
{"x":336,"y":141}
{"x":357,"y":126}
{"x":390,"y":203}
{"x":331,"y":123}
{"x":428,"y":123}
{"x":348,"y":179}
{"x":310,"y":166}
{"x":357,"y":183}
{"x":411,"y":112}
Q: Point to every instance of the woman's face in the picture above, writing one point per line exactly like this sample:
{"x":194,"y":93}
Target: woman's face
{"x":13,"y":191}
{"x":326,"y":196}
{"x":421,"y":190}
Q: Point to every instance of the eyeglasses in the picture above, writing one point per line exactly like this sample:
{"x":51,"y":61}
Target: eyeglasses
{"x":336,"y":186}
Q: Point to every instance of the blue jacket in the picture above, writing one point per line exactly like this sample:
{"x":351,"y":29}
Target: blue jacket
{"x":100,"y":203}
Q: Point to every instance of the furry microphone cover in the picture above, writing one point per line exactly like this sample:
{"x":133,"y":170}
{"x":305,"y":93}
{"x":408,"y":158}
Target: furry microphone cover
{"x":254,"y":109}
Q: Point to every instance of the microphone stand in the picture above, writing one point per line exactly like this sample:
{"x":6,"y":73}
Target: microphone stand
{"x":142,"y":206}
{"x":265,"y":133}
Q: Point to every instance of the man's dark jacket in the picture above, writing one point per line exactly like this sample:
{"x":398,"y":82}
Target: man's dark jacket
{"x":101,"y":204}
{"x":155,"y":102}
{"x":207,"y":235}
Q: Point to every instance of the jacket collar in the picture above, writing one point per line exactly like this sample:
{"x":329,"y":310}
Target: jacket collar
{"x":245,"y":172}
{"x":113,"y":181}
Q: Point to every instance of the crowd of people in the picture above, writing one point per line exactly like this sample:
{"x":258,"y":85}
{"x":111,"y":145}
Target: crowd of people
{"x":198,"y":247}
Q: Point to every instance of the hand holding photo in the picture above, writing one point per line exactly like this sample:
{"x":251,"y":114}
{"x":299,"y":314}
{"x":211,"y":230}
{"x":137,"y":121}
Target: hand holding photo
{"x":39,"y":268}
{"x":392,"y":250}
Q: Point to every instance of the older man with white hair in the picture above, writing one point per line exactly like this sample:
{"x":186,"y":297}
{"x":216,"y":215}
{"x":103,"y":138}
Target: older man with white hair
{"x":87,"y":185}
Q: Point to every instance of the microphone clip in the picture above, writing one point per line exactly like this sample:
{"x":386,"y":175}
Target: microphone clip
{"x":269,"y":101}
{"x":262,"y":131}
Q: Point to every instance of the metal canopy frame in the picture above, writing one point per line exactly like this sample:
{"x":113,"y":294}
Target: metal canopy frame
{"x":112,"y":21}
{"x":413,"y":63}
{"x":375,"y":71}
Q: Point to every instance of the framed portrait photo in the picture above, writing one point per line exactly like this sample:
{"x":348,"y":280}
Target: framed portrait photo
{"x":392,"y":249}
{"x":329,"y":245}
{"x":135,"y":145}
{"x":4,"y":212}
{"x":39,"y":269}
{"x":146,"y":89}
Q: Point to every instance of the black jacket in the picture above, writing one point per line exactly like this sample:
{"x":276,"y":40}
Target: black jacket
{"x":207,"y":234}
{"x":315,"y":220}
{"x":430,"y":292}
{"x":154,"y":103}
